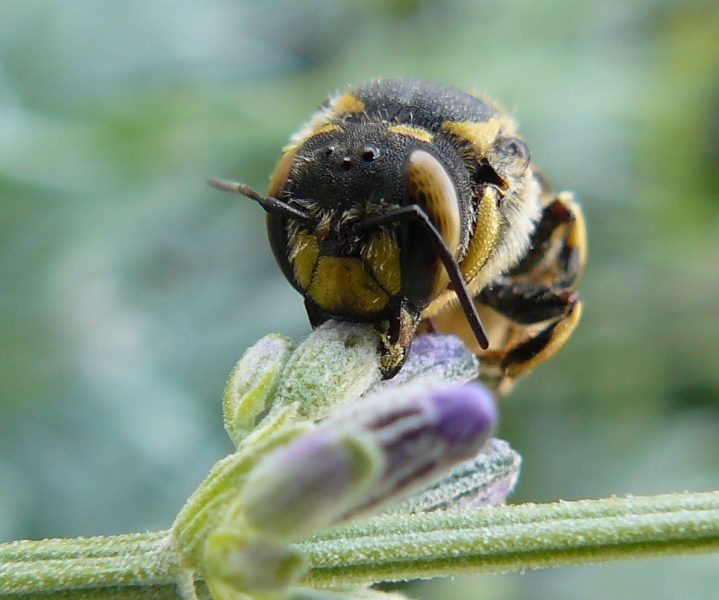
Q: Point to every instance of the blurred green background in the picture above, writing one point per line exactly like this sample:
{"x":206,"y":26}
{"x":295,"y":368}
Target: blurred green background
{"x":128,"y":288}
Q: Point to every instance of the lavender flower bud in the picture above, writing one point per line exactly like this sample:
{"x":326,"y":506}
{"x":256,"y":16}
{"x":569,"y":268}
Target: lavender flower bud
{"x":252,"y":383}
{"x":434,"y":427}
{"x":368,"y":454}
{"x":333,"y":366}
{"x":304,"y":485}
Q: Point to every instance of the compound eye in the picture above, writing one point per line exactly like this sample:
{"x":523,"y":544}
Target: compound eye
{"x":430,"y":186}
{"x":515,"y":155}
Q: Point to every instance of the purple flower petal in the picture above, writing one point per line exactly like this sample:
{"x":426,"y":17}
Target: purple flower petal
{"x":466,"y":414}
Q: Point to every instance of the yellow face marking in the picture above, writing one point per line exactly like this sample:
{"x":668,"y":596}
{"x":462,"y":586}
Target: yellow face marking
{"x":304,"y":252}
{"x":382,"y":256}
{"x":347,"y":103}
{"x":480,"y":135}
{"x":342,"y":285}
{"x":484,"y":237}
{"x":416,"y":132}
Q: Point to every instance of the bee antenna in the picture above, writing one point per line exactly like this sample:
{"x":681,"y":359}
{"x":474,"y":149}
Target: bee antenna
{"x":414,"y":212}
{"x":270,"y":204}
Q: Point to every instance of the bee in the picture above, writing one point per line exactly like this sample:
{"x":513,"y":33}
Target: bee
{"x":415,"y":206}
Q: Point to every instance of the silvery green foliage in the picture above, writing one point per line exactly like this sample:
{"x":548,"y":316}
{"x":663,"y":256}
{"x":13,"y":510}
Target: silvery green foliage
{"x":321,"y":440}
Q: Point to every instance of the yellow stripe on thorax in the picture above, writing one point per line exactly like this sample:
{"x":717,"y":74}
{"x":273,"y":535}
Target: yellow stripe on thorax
{"x":481,"y":135}
{"x":416,"y":132}
{"x":347,"y":103}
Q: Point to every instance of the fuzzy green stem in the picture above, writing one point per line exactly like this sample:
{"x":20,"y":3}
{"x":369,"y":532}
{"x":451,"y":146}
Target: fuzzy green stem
{"x":515,"y":538}
{"x":86,"y":563}
{"x":392,"y":547}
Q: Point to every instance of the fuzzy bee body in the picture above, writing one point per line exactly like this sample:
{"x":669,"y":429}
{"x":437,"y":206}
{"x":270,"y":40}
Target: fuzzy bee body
{"x":404,"y":202}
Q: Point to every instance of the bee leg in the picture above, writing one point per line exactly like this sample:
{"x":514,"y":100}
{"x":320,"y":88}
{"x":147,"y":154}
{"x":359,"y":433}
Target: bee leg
{"x":395,"y":339}
{"x":527,"y":305}
{"x":538,"y":290}
{"x":559,"y":243}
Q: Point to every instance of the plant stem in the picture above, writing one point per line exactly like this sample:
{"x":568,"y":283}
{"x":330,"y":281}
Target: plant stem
{"x":390,"y":547}
{"x":86,"y":563}
{"x":515,"y":538}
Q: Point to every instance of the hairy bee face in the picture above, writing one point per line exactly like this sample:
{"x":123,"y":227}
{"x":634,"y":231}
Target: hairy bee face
{"x":398,"y":201}
{"x":345,"y":175}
